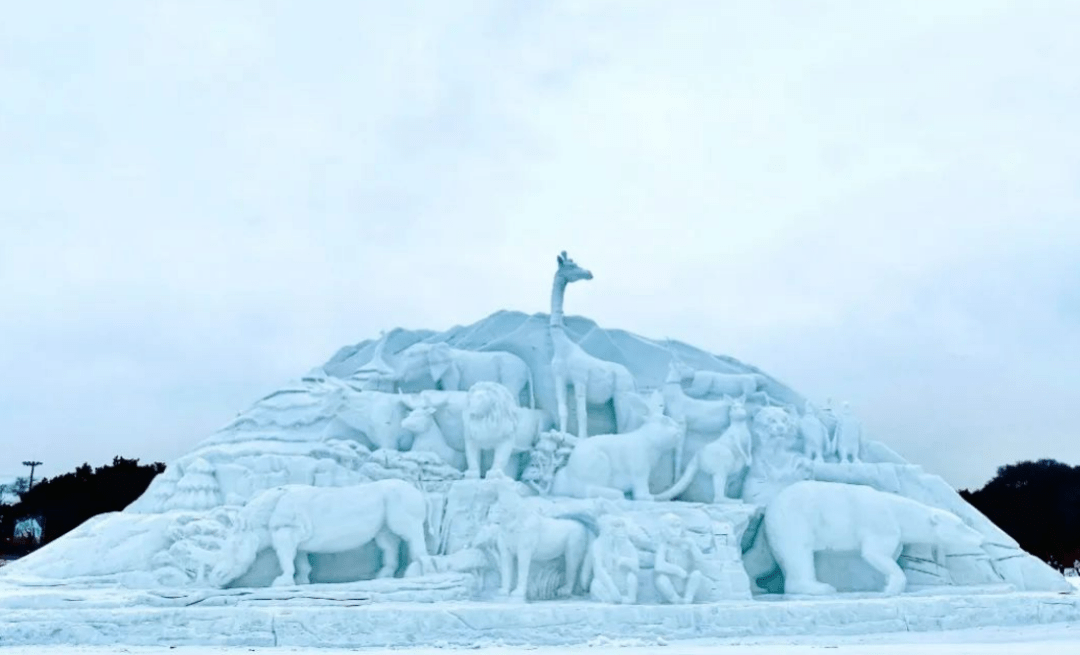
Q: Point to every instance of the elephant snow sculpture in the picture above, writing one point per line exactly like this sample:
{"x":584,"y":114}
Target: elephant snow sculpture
{"x":458,"y":370}
{"x":812,"y":516}
{"x":298,"y":519}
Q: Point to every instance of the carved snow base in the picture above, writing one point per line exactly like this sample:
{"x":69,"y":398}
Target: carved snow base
{"x":716,"y":529}
{"x":66,"y":615}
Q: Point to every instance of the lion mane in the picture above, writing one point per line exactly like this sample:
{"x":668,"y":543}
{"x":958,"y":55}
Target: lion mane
{"x":491,"y":412}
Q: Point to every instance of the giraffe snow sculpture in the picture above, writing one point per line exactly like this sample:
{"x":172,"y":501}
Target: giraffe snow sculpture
{"x":594,"y":380}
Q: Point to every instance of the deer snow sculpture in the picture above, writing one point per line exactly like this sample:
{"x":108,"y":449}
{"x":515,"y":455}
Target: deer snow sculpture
{"x":594,"y":380}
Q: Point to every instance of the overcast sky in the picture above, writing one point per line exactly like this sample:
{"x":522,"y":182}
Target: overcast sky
{"x":874,"y":201}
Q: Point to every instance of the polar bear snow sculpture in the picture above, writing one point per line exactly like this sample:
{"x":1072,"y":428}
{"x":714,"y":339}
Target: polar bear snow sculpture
{"x":296,"y":520}
{"x":812,"y":516}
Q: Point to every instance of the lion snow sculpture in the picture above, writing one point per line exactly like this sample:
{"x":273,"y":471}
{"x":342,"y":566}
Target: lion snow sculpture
{"x":296,"y":520}
{"x":491,"y":423}
{"x":812,"y":516}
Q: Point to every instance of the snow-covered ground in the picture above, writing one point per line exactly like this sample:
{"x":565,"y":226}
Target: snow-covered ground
{"x":1057,"y":639}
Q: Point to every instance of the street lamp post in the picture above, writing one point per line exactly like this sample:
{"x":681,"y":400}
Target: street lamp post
{"x":33,"y":465}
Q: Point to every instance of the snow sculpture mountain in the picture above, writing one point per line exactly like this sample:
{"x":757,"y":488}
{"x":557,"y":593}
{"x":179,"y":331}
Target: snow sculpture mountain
{"x":625,"y":418}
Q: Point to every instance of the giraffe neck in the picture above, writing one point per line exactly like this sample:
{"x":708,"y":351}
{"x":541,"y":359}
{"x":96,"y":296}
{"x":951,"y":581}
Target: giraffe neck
{"x":558,"y":292}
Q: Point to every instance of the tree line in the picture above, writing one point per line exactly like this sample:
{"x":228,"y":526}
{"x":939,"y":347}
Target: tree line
{"x":1035,"y":502}
{"x":62,"y":503}
{"x":1038,"y":504}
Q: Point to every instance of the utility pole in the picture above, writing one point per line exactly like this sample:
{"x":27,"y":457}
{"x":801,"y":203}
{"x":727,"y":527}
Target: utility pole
{"x":33,"y":465}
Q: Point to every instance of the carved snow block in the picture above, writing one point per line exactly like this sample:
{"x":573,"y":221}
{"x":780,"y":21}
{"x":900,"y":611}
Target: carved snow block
{"x":715,"y":529}
{"x":467,"y":506}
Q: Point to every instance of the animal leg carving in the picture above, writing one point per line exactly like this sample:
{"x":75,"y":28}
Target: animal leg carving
{"x":410,"y":531}
{"x":582,"y":416}
{"x":472,"y":459}
{"x":303,"y":568}
{"x":895,"y":580}
{"x":800,"y":576}
{"x":719,"y":481}
{"x":506,"y":569}
{"x":573,"y":557}
{"x":388,"y":543}
{"x":641,"y":490}
{"x":501,"y":458}
{"x":560,"y":397}
{"x":285,"y":542}
{"x":524,"y":563}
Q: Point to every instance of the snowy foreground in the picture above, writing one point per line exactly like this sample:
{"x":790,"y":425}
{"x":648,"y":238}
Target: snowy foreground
{"x":1057,"y":639}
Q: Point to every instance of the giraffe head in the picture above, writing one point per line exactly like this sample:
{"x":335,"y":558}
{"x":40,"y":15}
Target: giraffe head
{"x":570,"y":271}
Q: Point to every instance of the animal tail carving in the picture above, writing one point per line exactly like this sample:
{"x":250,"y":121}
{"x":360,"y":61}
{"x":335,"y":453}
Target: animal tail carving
{"x":586,"y":575}
{"x":682,"y":483}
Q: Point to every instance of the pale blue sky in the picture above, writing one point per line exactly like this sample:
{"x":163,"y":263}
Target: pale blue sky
{"x":874,"y":201}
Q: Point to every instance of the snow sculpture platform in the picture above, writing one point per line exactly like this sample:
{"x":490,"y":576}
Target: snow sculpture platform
{"x":331,"y":616}
{"x":530,"y":480}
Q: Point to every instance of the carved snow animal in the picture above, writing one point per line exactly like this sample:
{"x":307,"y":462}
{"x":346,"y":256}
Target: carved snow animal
{"x":448,"y":415}
{"x":594,"y":381}
{"x":449,"y":410}
{"x":453,"y":369}
{"x":677,"y":565}
{"x":812,"y":516}
{"x":376,"y":414}
{"x":705,"y":416}
{"x":848,"y":435}
{"x":428,"y":436}
{"x":525,"y":536}
{"x":615,"y":563}
{"x":296,"y":520}
{"x":610,"y":465}
{"x":492,"y":422}
{"x":721,"y":458}
{"x":814,"y":434}
{"x":710,"y":383}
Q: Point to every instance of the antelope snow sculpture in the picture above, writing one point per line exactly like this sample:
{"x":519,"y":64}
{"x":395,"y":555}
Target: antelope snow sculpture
{"x":594,"y":380}
{"x":429,"y":436}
